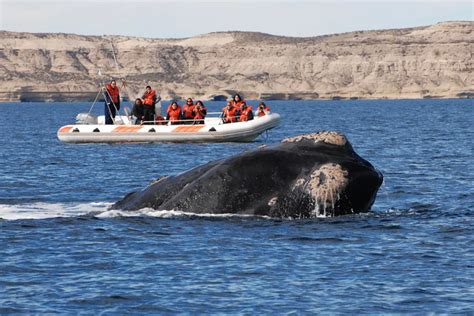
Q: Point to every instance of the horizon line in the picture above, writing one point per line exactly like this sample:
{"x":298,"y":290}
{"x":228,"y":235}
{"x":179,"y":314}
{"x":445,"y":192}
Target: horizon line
{"x":238,"y":31}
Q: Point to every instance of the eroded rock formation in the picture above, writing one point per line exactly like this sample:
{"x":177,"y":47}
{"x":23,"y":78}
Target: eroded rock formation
{"x":432,"y":61}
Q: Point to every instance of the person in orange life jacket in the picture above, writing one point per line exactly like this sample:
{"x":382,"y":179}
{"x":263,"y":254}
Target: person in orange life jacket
{"x":149,"y":99}
{"x":237,"y":101}
{"x":230,"y":113}
{"x":137,"y":111}
{"x":263,"y":109}
{"x":246,"y":113}
{"x":174,"y":113}
{"x":112,"y":101}
{"x":200,"y":112}
{"x":188,"y":109}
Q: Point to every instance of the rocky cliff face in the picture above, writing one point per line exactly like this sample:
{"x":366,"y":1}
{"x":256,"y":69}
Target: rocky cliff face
{"x":432,"y":61}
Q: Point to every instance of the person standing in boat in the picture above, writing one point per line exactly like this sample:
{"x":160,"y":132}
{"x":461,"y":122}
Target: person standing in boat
{"x":149,"y":100}
{"x":112,"y":101}
{"x":188,"y":111}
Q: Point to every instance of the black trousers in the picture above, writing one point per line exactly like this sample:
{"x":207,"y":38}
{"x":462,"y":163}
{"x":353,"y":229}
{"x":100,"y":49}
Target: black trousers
{"x":110,"y":111}
{"x":149,"y":114}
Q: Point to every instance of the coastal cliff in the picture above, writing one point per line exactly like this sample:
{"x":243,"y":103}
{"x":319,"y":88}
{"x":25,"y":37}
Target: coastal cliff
{"x":423,"y":62}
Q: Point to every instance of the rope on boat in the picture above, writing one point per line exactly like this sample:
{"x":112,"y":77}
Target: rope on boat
{"x":104,"y":91}
{"x":95,"y":101}
{"x":115,"y":58}
{"x":110,"y":97}
{"x":124,"y":86}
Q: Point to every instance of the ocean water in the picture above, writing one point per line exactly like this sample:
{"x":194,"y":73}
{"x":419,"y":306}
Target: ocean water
{"x":63,"y":252}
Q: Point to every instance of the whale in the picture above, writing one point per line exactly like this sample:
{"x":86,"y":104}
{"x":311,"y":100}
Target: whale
{"x":311,"y":175}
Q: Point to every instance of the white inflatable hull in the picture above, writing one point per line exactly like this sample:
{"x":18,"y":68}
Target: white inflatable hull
{"x":212,"y":131}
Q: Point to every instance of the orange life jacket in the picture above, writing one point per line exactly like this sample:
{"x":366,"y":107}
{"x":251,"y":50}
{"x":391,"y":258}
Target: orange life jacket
{"x":188,"y":111}
{"x":199,"y":114}
{"x":174,"y":114}
{"x":148,"y":98}
{"x":262,"y":112}
{"x":244,"y":115}
{"x":230,"y":114}
{"x":114,"y":93}
{"x":238,"y":104}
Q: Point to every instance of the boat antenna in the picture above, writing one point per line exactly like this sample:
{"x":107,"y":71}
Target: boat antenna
{"x":115,"y":57}
{"x":124,"y":85}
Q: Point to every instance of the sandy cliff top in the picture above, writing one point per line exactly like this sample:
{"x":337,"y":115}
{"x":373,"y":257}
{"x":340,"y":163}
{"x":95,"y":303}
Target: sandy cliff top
{"x":431,"y":61}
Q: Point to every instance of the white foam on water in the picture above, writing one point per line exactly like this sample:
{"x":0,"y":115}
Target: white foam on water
{"x":43,"y":210}
{"x":168,"y":214}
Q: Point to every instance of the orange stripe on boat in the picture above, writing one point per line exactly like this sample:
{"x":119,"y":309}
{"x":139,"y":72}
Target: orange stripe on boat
{"x":65,"y":129}
{"x":127,"y":129}
{"x":187,"y":129}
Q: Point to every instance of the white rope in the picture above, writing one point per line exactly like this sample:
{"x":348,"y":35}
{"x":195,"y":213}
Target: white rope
{"x":108,"y":108}
{"x":95,"y":101}
{"x":124,"y":86}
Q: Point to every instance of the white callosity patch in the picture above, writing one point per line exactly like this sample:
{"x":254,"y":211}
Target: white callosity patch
{"x":299,"y":183}
{"x":272,"y":201}
{"x":325,"y":185}
{"x":328,"y":137}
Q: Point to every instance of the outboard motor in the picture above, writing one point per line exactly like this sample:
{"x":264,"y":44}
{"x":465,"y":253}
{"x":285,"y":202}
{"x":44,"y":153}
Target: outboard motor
{"x":86,"y":118}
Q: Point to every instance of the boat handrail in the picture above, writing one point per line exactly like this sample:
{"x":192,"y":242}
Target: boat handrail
{"x":195,"y":121}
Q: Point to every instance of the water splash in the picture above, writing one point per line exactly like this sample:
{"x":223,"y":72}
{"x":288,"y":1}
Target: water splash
{"x":43,"y":210}
{"x":98,"y":209}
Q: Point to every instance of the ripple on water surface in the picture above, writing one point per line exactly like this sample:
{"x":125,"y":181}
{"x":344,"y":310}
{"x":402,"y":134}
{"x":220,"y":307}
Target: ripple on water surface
{"x":63,"y":251}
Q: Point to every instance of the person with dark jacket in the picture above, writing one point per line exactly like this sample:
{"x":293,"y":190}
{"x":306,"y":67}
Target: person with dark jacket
{"x":137,"y":111}
{"x":112,"y":101}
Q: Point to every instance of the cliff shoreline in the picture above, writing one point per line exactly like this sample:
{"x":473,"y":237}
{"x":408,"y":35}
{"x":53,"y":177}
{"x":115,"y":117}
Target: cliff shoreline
{"x":412,"y":63}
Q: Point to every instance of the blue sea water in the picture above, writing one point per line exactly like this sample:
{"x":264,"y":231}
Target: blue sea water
{"x":63,"y":252}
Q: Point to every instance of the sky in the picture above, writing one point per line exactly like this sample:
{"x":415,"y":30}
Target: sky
{"x":186,"y":18}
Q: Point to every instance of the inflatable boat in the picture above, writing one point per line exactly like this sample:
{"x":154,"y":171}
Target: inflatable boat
{"x":91,"y":129}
